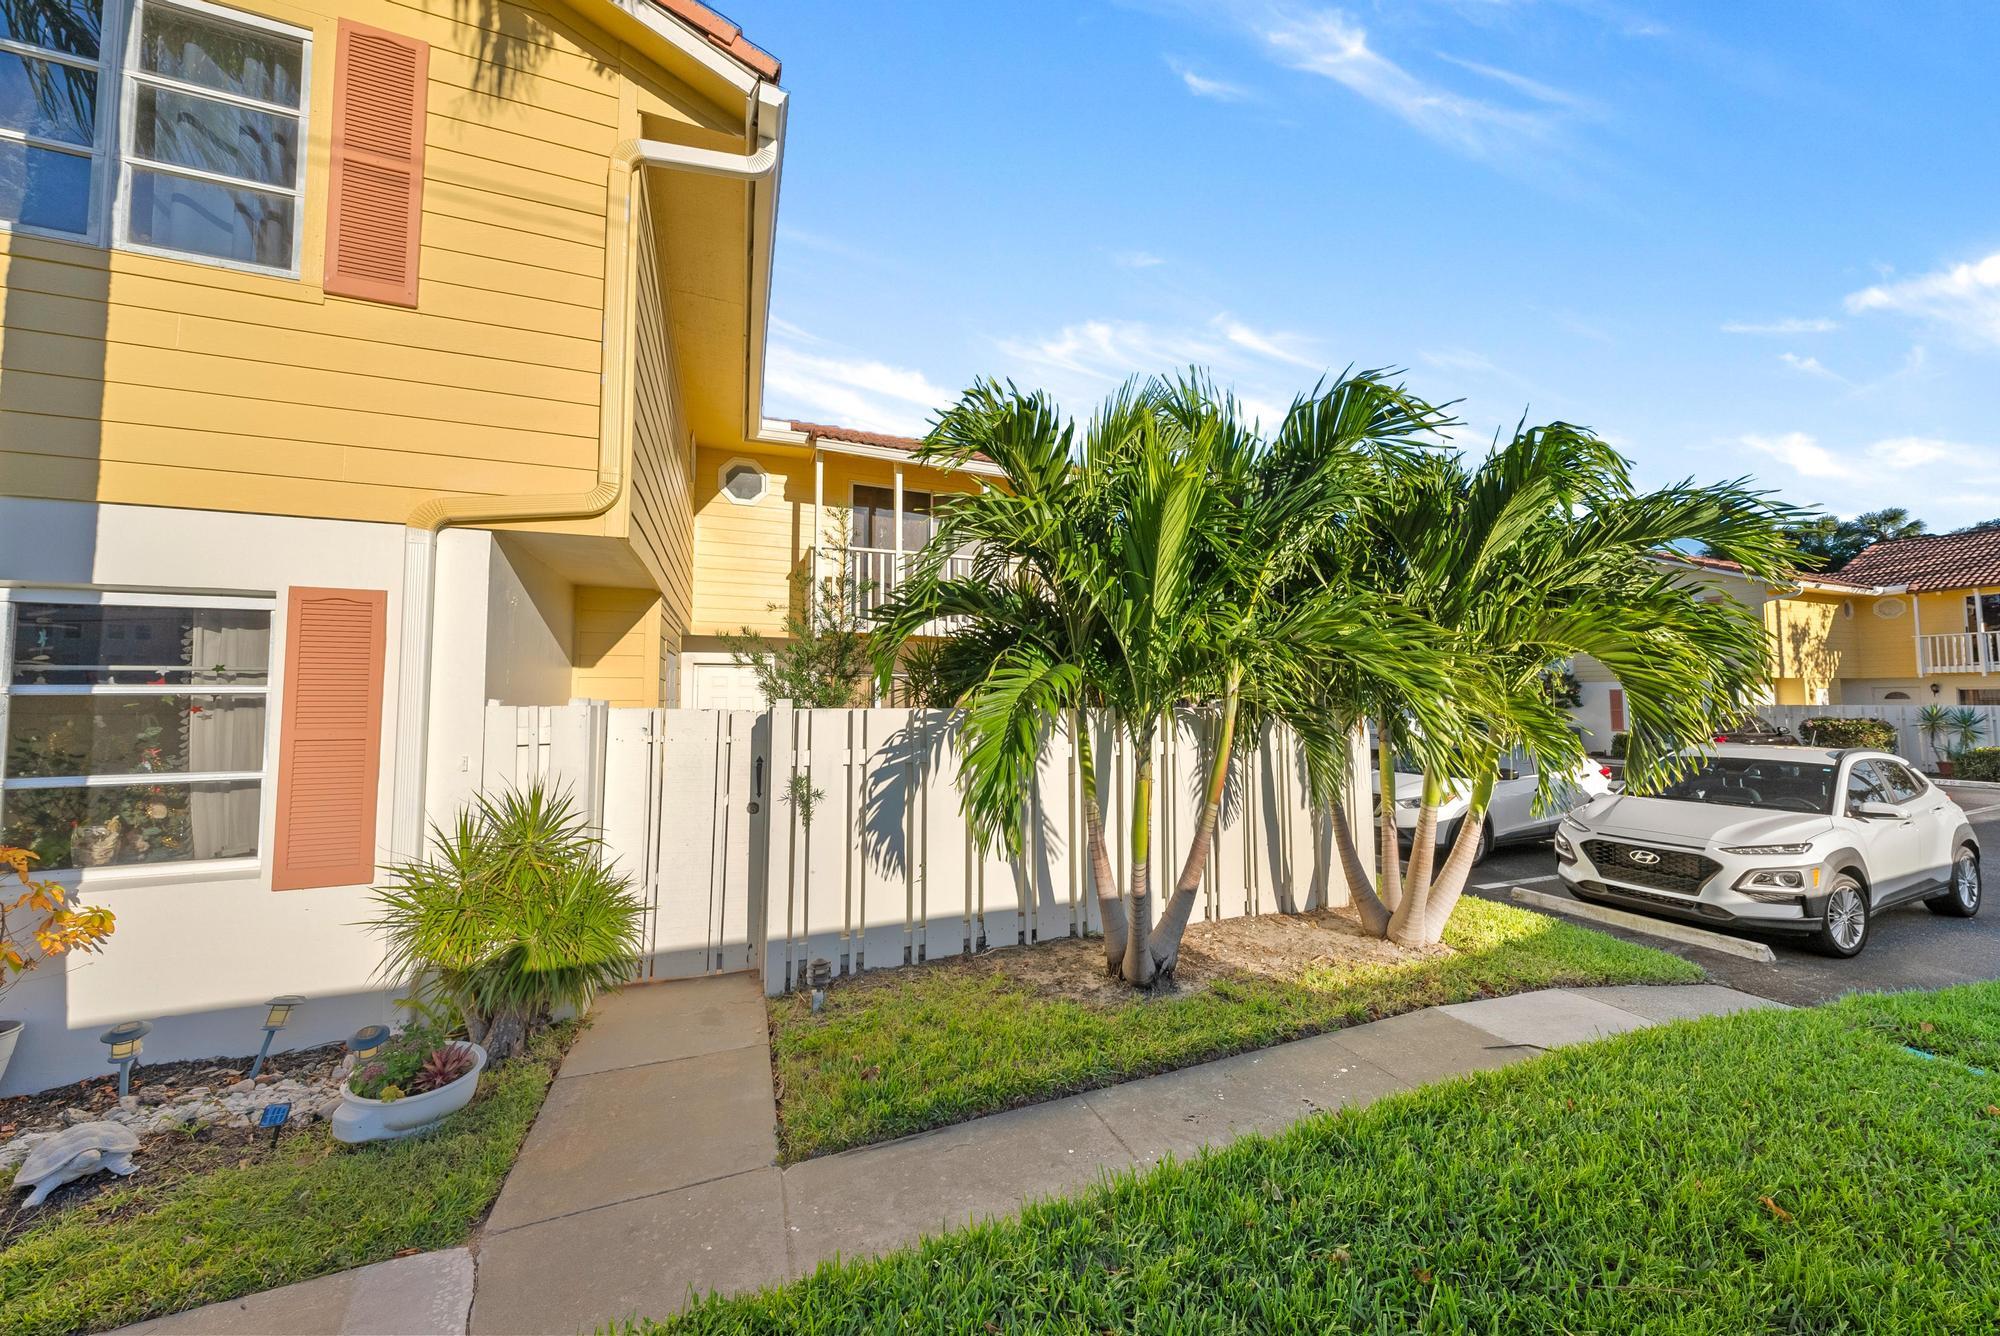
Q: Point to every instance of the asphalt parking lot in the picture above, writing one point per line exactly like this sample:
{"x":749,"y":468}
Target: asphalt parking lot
{"x":1908,"y":947}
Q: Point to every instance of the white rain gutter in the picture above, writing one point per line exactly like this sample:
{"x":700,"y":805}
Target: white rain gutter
{"x":765,"y":125}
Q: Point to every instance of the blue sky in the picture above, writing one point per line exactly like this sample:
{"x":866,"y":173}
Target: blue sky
{"x":1732,"y":238}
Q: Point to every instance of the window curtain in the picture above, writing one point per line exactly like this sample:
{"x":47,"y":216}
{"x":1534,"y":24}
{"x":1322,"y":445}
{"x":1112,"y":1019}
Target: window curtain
{"x":222,"y":730}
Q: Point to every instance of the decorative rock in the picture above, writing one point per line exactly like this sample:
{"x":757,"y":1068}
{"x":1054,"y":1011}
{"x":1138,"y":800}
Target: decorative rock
{"x":75,"y":1116}
{"x":242,"y":1087}
{"x":80,"y":1151}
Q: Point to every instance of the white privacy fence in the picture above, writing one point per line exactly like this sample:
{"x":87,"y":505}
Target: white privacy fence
{"x":866,"y":861}
{"x":1910,"y":741}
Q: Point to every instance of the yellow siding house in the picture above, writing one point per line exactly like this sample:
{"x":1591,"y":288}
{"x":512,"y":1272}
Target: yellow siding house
{"x":361,"y":362}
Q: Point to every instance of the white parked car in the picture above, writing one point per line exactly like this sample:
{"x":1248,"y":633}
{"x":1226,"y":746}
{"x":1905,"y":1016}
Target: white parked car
{"x":1783,"y":839}
{"x":1511,"y":817}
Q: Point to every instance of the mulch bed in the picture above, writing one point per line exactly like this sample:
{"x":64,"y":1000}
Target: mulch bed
{"x":1278,"y":946}
{"x":163,"y":1157}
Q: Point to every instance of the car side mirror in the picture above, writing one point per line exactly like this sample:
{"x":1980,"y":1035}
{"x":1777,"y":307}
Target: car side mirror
{"x":1874,"y":812}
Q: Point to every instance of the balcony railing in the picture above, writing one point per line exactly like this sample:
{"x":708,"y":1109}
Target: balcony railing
{"x":875,"y":573}
{"x":1959,"y":652}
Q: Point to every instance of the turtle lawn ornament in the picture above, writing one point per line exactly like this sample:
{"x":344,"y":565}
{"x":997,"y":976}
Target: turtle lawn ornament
{"x":76,"y":1152}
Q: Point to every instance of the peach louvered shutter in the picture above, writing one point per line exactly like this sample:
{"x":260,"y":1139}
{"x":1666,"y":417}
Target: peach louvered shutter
{"x":330,"y":753}
{"x":375,"y":198}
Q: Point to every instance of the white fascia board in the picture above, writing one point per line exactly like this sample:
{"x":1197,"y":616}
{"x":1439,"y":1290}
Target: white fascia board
{"x":686,"y":39}
{"x":862,"y":450}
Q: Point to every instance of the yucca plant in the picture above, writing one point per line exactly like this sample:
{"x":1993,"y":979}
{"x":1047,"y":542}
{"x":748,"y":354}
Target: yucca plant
{"x":512,"y":915}
{"x":1965,"y":728}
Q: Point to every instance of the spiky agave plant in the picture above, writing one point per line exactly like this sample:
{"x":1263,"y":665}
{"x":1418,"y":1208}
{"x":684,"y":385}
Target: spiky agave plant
{"x":512,"y":915}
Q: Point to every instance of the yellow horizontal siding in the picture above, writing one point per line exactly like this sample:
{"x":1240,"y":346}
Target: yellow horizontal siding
{"x":146,"y":380}
{"x":617,"y":648}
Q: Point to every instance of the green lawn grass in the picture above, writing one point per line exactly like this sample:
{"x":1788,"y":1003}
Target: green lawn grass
{"x":309,"y":1208}
{"x":938,"y":1045}
{"x":1772,"y":1171}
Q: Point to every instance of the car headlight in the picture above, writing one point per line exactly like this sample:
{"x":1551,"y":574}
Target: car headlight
{"x":1564,"y":849}
{"x":1778,"y":883}
{"x":1569,"y":822}
{"x":1409,"y":804}
{"x":1804,"y":848}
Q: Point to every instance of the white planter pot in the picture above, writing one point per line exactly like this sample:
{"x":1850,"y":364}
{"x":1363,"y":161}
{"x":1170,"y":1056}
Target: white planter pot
{"x":10,"y":1034}
{"x":358,"y":1119}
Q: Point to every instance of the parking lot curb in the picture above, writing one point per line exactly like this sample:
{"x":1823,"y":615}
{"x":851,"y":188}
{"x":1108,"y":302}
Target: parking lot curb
{"x":1673,"y":932}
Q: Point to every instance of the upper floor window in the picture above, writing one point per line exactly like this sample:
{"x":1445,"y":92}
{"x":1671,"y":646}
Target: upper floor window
{"x":207,"y":158}
{"x":51,"y":126}
{"x":875,"y":518}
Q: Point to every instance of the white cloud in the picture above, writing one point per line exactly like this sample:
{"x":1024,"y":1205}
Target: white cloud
{"x":1964,"y":299}
{"x":1201,"y":85}
{"x":1082,"y":362}
{"x":1811,"y":366}
{"x":1274,"y":346}
{"x":1950,"y":480}
{"x":1789,"y":325}
{"x":850,"y":392}
{"x":1803,"y":455}
{"x":1328,"y":43}
{"x":1137,"y":259}
{"x":1520,"y":83}
{"x":1909,"y":452}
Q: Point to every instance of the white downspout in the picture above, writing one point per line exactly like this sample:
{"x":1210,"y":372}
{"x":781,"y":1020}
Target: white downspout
{"x":413,"y":687}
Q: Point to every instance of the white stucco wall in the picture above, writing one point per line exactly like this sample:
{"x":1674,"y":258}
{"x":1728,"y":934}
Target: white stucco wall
{"x":199,"y":955}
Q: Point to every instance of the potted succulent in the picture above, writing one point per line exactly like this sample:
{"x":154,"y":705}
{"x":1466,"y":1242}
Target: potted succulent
{"x":38,"y":923}
{"x":407,"y":1086}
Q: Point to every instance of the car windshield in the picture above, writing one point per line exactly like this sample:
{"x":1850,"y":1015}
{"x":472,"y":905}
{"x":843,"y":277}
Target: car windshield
{"x":1741,"y":781}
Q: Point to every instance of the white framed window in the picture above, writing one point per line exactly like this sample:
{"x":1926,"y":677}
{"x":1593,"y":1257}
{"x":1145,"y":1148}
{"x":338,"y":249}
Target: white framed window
{"x":743,"y":481}
{"x":212,"y":135}
{"x":136,"y":727}
{"x":54,"y":116}
{"x":173,"y":127}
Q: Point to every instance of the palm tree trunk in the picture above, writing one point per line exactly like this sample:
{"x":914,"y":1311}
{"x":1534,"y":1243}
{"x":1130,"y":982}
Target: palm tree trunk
{"x":1408,"y":923}
{"x":504,"y":1035}
{"x":1368,"y":906}
{"x":1451,"y":878}
{"x":1390,"y":885}
{"x":1110,"y":904}
{"x":1173,"y":923}
{"x":1139,"y":916}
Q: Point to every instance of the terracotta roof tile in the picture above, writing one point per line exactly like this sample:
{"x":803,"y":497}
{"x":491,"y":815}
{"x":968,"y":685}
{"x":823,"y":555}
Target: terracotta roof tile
{"x":1934,"y":561}
{"x":723,"y":35}
{"x":856,"y":435}
{"x":1736,"y":567}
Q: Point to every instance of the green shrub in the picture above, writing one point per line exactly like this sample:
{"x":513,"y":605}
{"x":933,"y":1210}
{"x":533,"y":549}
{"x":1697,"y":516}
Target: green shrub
{"x":512,"y":916}
{"x":1618,"y":741}
{"x":1834,"y":731}
{"x":1979,"y":763}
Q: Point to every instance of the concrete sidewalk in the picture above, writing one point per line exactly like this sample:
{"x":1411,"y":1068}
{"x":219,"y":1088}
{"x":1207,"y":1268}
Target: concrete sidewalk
{"x":651,"y":1172}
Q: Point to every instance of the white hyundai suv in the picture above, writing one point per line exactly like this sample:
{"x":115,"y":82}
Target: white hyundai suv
{"x":1778,"y":839}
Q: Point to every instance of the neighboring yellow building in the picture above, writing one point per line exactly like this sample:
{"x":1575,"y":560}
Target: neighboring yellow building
{"x":762,"y":513}
{"x":1913,"y":621}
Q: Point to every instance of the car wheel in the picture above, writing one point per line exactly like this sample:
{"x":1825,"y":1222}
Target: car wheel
{"x":1485,"y":845}
{"x":1962,"y":900}
{"x":1844,"y":931}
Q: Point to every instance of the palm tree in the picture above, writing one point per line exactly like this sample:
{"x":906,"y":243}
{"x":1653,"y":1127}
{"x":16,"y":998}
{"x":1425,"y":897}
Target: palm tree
{"x":1544,"y":551}
{"x":1168,"y":557}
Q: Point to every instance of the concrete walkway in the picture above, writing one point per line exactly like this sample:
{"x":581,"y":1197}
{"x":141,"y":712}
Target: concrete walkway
{"x":651,"y":1172}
